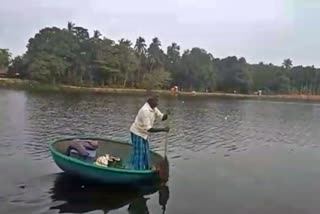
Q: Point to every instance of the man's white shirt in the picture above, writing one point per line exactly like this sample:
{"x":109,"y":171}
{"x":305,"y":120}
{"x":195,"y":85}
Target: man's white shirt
{"x":145,"y":120}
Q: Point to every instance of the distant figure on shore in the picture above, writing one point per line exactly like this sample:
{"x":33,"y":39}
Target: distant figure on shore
{"x":174,"y":90}
{"x":140,"y":130}
{"x":259,"y":92}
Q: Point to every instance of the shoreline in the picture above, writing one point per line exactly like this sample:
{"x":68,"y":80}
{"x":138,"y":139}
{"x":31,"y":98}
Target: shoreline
{"x":28,"y":85}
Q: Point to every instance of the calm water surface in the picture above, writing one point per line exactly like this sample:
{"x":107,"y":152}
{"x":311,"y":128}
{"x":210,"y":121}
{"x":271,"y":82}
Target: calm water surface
{"x":226,"y":156}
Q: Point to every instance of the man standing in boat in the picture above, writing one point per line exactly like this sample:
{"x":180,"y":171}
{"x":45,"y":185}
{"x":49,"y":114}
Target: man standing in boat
{"x":140,"y":130}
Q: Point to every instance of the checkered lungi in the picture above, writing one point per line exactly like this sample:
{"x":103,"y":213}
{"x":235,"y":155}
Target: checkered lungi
{"x":140,"y":154}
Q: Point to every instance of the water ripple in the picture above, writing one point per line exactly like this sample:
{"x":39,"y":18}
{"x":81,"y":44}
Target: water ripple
{"x":225,"y":126}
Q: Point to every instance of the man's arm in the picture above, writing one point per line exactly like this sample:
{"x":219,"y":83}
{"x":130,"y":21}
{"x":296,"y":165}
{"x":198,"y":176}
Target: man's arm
{"x":163,"y":117}
{"x":166,"y":129}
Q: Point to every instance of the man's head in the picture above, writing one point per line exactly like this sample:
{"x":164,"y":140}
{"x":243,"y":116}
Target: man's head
{"x":153,"y":101}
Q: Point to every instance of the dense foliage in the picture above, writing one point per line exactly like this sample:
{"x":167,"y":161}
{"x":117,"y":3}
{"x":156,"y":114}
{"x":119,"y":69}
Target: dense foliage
{"x":71,"y":56}
{"x":4,"y":58}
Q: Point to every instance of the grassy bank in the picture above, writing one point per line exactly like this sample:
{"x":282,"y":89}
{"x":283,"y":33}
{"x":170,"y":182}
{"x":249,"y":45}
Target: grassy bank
{"x":35,"y":86}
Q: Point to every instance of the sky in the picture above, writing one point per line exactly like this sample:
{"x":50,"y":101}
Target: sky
{"x":259,"y":30}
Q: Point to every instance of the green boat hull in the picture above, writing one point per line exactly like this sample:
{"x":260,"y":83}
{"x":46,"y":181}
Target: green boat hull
{"x":109,"y":175}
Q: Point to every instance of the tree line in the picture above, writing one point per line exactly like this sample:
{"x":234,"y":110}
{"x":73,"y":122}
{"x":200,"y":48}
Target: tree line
{"x":72,"y":56}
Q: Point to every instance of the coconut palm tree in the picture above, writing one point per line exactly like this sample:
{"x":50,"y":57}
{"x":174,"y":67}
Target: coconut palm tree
{"x":287,"y":64}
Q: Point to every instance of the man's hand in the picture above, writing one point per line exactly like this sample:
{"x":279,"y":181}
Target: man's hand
{"x":165,"y":117}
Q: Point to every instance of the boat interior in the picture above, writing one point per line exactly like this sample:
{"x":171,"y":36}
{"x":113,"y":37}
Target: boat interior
{"x":101,"y":148}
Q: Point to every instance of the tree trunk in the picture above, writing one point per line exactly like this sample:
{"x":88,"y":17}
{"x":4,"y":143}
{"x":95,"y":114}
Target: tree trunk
{"x":53,"y":81}
{"x":125,"y":80}
{"x":137,"y":79}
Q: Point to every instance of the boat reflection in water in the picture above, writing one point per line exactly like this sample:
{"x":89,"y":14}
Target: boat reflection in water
{"x":80,"y":196}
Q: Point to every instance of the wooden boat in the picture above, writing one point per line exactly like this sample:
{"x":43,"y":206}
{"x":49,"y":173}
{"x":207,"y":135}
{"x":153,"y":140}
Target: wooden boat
{"x":106,"y":174}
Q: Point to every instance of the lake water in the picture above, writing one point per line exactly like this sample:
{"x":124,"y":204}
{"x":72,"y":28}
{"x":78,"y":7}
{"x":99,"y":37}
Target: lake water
{"x":226,"y":155}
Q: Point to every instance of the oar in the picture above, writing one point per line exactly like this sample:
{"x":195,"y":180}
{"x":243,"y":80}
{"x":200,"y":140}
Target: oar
{"x":166,"y":136}
{"x":164,"y":164}
{"x":165,"y":145}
